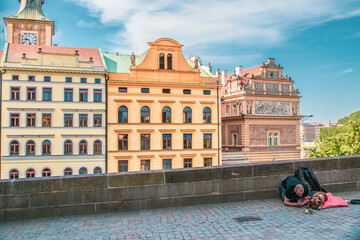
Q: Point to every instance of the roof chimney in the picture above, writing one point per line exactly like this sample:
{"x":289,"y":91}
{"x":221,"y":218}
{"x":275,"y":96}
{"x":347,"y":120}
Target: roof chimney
{"x":238,"y":70}
{"x":223,"y":77}
{"x":23,"y":58}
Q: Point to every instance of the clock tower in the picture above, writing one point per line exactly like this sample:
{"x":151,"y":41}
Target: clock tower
{"x":29,"y":25}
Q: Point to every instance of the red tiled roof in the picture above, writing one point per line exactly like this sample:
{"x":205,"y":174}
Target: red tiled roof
{"x":249,"y":71}
{"x":1,"y":53}
{"x":229,"y":76}
{"x":253,"y":70}
{"x":15,"y":52}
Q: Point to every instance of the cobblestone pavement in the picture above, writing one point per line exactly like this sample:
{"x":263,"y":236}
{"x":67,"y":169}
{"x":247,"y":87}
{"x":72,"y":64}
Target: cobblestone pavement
{"x":211,"y":221}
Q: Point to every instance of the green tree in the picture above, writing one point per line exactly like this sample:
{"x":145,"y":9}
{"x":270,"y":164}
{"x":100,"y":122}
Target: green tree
{"x":343,"y":120}
{"x":346,"y":143}
{"x":353,"y":116}
{"x":328,"y":132}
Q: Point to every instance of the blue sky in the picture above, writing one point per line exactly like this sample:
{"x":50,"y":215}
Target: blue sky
{"x":316,"y":41}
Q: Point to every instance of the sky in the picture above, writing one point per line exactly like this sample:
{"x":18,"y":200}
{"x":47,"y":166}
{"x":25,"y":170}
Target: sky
{"x":317,"y":42}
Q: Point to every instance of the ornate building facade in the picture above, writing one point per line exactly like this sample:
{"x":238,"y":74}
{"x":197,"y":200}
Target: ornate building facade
{"x":260,"y":113}
{"x":163,"y":110}
{"x":29,"y":25}
{"x":52,"y":106}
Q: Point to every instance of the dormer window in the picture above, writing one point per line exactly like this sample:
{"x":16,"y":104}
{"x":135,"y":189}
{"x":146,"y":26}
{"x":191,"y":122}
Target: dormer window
{"x":161,"y":61}
{"x":169,"y":61}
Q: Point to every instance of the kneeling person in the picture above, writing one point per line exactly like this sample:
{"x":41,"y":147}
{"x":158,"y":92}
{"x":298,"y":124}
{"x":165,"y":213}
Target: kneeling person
{"x":294,"y":192}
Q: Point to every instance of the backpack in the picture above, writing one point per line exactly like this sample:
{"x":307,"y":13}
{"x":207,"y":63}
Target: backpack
{"x":307,"y":176}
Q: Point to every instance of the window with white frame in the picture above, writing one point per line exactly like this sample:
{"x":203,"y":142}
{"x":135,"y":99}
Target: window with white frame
{"x":273,"y":137}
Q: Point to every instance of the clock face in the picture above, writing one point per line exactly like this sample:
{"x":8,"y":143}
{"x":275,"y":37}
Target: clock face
{"x":29,"y":38}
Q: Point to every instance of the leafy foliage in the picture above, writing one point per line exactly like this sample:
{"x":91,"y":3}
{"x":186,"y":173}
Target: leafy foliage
{"x":327,"y":132}
{"x":346,"y":143}
{"x":353,"y":116}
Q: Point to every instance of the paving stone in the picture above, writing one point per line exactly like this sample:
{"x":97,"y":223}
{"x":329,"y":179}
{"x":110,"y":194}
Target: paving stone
{"x":206,"y":221}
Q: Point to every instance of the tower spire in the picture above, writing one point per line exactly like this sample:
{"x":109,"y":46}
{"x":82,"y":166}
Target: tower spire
{"x":29,"y":25}
{"x":30,"y":9}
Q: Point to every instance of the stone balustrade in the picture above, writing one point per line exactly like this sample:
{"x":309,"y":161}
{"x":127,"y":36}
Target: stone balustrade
{"x":69,"y":195}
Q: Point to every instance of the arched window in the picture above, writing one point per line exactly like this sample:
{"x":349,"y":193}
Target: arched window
{"x":30,"y":173}
{"x":68,"y":147}
{"x":14,"y":173}
{"x":145,"y":115}
{"x":123,"y":114}
{"x":14,"y":148}
{"x":68,"y":172}
{"x":83,"y":147}
{"x":83,"y":171}
{"x":169,"y":61}
{"x":46,"y":147}
{"x":187,"y":115}
{"x":207,"y":115}
{"x":46,"y":172}
{"x":234,"y":110}
{"x":30,"y":148}
{"x":97,"y":147}
{"x":161,"y":61}
{"x":227,"y":110}
{"x":97,"y":170}
{"x":166,"y":115}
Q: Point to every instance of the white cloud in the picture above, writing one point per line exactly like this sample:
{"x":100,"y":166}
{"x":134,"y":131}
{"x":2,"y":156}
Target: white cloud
{"x":211,"y":22}
{"x":349,"y":70}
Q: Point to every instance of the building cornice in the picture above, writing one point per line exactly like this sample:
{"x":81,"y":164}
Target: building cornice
{"x":245,"y":117}
{"x":52,"y":70}
{"x":117,"y":83}
{"x":233,"y":97}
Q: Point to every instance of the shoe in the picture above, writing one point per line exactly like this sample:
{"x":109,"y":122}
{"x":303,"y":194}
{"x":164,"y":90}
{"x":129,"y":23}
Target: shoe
{"x":355,"y":201}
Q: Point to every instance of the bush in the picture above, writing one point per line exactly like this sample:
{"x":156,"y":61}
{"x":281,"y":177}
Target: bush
{"x":344,"y":143}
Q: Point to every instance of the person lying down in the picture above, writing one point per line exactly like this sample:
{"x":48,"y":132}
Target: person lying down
{"x":294,"y":192}
{"x":297,"y":194}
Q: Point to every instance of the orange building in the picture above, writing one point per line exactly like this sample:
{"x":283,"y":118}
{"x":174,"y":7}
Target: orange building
{"x":260,"y":114}
{"x":163,"y":110}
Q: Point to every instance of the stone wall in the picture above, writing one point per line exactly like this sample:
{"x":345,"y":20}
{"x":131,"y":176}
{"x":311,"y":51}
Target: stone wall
{"x":258,"y":134}
{"x":55,"y":196}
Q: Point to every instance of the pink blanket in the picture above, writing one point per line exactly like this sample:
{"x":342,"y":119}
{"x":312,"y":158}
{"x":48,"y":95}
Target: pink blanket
{"x":333,"y":202}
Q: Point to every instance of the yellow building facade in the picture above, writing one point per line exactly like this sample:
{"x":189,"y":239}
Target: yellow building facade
{"x":163,"y":110}
{"x":52,"y":101}
{"x":53,"y":111}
